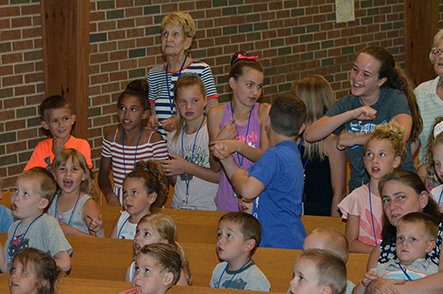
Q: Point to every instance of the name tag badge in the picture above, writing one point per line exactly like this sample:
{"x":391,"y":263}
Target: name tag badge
{"x":188,"y":207}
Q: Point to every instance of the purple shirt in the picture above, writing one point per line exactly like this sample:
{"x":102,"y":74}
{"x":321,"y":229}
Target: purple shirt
{"x":225,"y":199}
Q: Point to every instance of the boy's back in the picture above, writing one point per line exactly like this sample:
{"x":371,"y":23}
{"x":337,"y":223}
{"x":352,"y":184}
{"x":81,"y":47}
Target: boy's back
{"x":278,"y":208}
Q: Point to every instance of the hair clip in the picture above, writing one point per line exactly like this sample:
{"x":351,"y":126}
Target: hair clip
{"x":438,"y":129}
{"x":247,"y":57}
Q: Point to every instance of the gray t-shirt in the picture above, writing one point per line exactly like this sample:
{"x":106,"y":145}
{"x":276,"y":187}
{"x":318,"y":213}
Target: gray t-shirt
{"x":44,"y":234}
{"x":75,"y":216}
{"x":248,"y":278}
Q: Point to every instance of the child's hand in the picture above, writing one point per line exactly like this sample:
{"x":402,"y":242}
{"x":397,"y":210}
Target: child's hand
{"x":58,"y":145}
{"x":176,"y":165}
{"x":220,"y":150}
{"x":364,"y":113}
{"x":153,"y":123}
{"x":229,"y":131}
{"x":169,"y":124}
{"x":345,"y":140}
{"x":96,"y":224}
{"x":369,"y":277}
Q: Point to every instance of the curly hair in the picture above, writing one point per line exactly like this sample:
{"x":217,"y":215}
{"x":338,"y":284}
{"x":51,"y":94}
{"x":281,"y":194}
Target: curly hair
{"x":154,"y":180}
{"x":430,"y":145}
{"x":392,"y":133}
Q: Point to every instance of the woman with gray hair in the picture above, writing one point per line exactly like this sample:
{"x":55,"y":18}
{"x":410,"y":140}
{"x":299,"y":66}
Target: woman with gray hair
{"x":177,"y":31}
{"x":430,"y":101}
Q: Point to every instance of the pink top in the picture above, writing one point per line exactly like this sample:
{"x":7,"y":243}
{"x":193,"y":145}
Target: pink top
{"x":225,"y":199}
{"x":357,"y":203}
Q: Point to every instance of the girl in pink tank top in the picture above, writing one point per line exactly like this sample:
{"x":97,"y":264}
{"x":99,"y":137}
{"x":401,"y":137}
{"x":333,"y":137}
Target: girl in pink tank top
{"x":241,"y":123}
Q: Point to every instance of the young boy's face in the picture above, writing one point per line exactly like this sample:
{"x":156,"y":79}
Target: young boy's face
{"x":59,"y":122}
{"x":149,"y":278}
{"x":305,"y":279}
{"x":230,"y":242}
{"x":26,"y":202}
{"x":22,"y":279}
{"x":413,"y":242}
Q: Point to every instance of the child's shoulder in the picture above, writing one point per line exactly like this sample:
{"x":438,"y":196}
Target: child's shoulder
{"x":153,"y":137}
{"x":217,"y":111}
{"x":110,"y":135}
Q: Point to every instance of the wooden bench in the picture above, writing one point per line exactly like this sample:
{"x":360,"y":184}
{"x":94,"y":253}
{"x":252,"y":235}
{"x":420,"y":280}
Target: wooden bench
{"x":108,"y":259}
{"x":200,"y":226}
{"x":70,"y":285}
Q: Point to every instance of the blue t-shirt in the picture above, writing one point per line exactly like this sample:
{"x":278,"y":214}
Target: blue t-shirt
{"x":278,"y":208}
{"x":6,"y":219}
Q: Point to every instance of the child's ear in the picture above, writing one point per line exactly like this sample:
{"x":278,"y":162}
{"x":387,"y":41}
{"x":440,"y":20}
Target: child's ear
{"x":326,"y":290}
{"x":44,"y":125}
{"x":152,"y":197}
{"x":146,"y":114}
{"x":73,"y":118}
{"x":232,"y":82}
{"x":250,"y":244}
{"x":302,"y":129}
{"x":397,"y":162}
{"x":43,"y":203}
{"x":168,"y":279}
{"x":431,"y":246}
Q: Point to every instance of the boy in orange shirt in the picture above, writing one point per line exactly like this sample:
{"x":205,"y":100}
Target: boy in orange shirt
{"x":57,"y":118}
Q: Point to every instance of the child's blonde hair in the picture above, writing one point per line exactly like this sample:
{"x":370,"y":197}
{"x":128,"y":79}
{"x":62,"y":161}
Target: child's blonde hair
{"x":47,"y":187}
{"x":391,"y":132}
{"x":44,"y":266}
{"x":430,"y":145}
{"x":333,"y":240}
{"x":87,"y":186}
{"x":330,"y":268}
{"x":185,"y":81}
{"x":316,"y":92}
{"x":167,"y":257}
{"x":154,"y":180}
{"x":165,"y":226}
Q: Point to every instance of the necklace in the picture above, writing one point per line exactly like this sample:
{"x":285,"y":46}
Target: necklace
{"x":372,"y":216}
{"x":13,"y":236}
{"x":73,"y":209}
{"x":121,"y":228}
{"x":241,"y":158}
{"x":188,"y":177}
{"x":171,"y":101}
{"x":219,"y":280}
{"x":362,"y":174}
{"x":136,"y":148}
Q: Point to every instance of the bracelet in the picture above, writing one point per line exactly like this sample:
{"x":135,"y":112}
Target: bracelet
{"x":98,"y":234}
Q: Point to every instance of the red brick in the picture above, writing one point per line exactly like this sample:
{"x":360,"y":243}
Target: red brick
{"x":10,"y":35}
{"x":99,"y":79}
{"x":16,"y":125}
{"x":25,"y":90}
{"x":169,"y":8}
{"x":12,"y":80}
{"x":133,"y":33}
{"x":97,"y":16}
{"x":21,"y":22}
{"x":118,"y":76}
{"x":6,"y":70}
{"x":118,"y":55}
{"x":30,"y":9}
{"x":260,"y":7}
{"x":27,"y":134}
{"x":126,"y":23}
{"x":99,"y":58}
{"x":107,"y":25}
{"x":9,"y":11}
{"x":116,"y":35}
{"x":124,"y":3}
{"x":22,"y":45}
{"x":108,"y":46}
{"x":135,"y":11}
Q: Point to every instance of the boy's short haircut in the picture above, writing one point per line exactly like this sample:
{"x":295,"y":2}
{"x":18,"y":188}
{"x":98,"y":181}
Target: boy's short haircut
{"x":287,"y":114}
{"x":335,"y":240}
{"x":54,"y":102}
{"x":46,"y":181}
{"x":331,"y":269}
{"x":430,"y":224}
{"x":249,"y":226}
{"x":167,"y":257}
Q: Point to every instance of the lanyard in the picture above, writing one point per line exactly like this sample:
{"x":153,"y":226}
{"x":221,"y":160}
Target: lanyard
{"x":73,"y":209}
{"x":13,"y":236}
{"x":219,"y":280}
{"x":307,"y":159}
{"x":171,"y":102}
{"x":121,"y":228}
{"x":240,"y":160}
{"x":361,"y":147}
{"x":404,"y":271}
{"x":136,"y":148}
{"x":372,"y":216}
{"x":188,"y":177}
{"x":439,"y":199}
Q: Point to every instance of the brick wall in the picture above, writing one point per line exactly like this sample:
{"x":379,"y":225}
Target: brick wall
{"x":294,"y":39}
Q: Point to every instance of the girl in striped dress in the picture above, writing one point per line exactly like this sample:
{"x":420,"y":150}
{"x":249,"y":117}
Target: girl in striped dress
{"x":129,"y":143}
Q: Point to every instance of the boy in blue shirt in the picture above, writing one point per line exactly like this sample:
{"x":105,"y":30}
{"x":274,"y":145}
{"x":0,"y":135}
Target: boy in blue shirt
{"x":275,"y":181}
